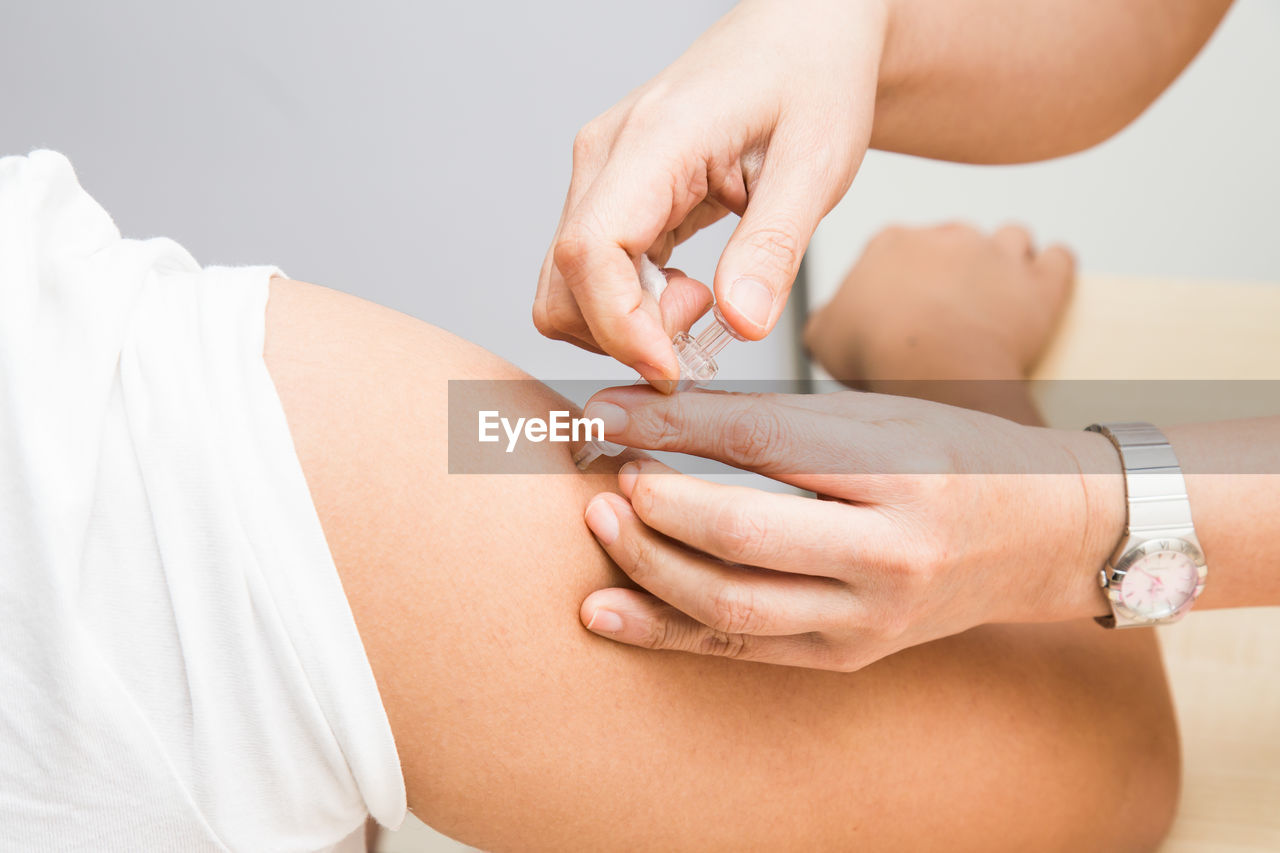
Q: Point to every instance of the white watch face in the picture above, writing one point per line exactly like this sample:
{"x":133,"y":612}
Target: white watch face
{"x":1159,"y":584}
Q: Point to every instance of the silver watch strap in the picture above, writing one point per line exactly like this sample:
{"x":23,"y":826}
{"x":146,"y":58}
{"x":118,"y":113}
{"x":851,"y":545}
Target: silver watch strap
{"x":1155,"y":491}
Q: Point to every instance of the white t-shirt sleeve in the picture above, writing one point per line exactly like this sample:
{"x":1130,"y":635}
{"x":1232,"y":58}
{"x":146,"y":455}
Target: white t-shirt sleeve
{"x":181,"y":669}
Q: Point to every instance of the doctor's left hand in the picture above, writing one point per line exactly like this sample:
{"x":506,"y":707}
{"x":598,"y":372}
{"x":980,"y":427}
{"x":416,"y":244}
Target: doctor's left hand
{"x":934,"y":520}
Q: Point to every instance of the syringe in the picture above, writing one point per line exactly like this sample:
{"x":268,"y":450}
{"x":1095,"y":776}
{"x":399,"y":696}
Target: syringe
{"x":696,"y":356}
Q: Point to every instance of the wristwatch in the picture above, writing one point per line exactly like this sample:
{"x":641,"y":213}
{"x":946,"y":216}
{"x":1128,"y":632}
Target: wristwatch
{"x":1158,"y":569}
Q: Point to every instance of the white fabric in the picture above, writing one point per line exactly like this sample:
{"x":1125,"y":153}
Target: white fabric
{"x":179,"y":668}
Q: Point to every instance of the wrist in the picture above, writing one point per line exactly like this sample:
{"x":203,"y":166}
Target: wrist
{"x":1099,"y":526}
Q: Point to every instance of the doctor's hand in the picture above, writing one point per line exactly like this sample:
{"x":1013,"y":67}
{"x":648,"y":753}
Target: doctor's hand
{"x":768,"y":116}
{"x":932,"y":520}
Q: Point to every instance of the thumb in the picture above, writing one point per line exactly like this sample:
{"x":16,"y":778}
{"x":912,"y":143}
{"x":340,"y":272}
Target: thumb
{"x":763,"y":256}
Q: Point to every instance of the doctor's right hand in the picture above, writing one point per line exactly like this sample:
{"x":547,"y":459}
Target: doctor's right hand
{"x":768,"y":115}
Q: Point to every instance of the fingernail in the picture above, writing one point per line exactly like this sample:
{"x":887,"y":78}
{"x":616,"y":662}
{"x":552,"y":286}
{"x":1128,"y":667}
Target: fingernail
{"x":627,"y":478}
{"x":663,"y":386}
{"x":605,"y":622}
{"x":602,"y":520}
{"x":752,"y":299}
{"x":613,"y":418}
{"x":656,"y":377}
{"x":655,"y":374}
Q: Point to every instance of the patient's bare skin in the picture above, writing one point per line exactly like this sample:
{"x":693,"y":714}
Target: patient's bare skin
{"x":520,"y":730}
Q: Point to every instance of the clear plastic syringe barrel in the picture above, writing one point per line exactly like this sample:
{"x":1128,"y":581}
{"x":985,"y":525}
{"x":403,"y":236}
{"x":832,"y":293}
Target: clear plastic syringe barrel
{"x":696,"y":356}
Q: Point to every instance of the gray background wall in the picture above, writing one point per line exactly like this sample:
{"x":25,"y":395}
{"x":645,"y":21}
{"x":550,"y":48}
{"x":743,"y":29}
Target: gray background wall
{"x":414,"y":153}
{"x":417,"y":153}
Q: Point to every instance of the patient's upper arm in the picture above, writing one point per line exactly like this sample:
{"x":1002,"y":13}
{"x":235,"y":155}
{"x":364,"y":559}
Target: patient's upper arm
{"x":518,"y":729}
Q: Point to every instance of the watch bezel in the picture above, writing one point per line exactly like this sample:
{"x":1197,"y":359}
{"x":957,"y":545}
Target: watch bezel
{"x":1118,"y":572}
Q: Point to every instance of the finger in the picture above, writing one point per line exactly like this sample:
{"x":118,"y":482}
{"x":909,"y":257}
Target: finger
{"x":551,"y":315}
{"x":786,"y":437}
{"x":624,"y":320}
{"x":763,"y":255}
{"x":583,"y":343}
{"x":1015,"y":240}
{"x":619,"y":218}
{"x":723,"y":187}
{"x":1057,"y":268}
{"x":563,"y":317}
{"x":732,"y":599}
{"x":638,"y":619}
{"x":782,"y":532}
{"x":542,"y":319}
{"x":683,"y":302}
{"x":1057,"y":261}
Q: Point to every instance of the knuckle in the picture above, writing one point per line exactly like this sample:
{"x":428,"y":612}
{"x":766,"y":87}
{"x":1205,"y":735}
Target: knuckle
{"x":928,"y":553}
{"x":914,"y":582}
{"x":641,"y":559}
{"x":563,"y":315}
{"x":937,"y":557}
{"x":734,"y":610}
{"x":557,"y":333}
{"x":957,"y":228}
{"x":915,"y":564}
{"x":841,"y":659}
{"x":722,"y":644}
{"x":669,"y":424}
{"x":654,"y":426}
{"x":1058,"y":253}
{"x":888,"y":625}
{"x":649,"y":111}
{"x":644,"y":496}
{"x":1015,"y":236}
{"x":571,"y":248}
{"x":588,"y":144}
{"x":742,"y":536}
{"x":935,"y":462}
{"x":657,"y":634}
{"x":751,"y":434}
{"x":542,"y":320}
{"x":917,"y":576}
